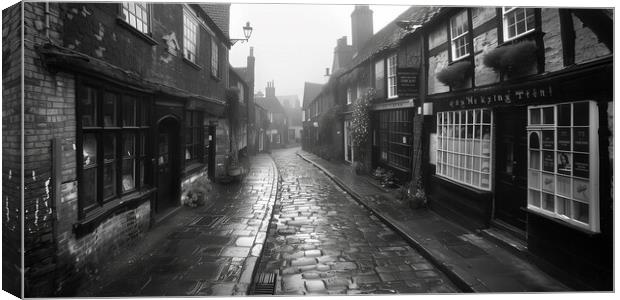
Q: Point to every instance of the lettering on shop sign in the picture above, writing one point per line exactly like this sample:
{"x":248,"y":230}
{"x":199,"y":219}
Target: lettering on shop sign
{"x":511,"y":96}
{"x":407,"y":82}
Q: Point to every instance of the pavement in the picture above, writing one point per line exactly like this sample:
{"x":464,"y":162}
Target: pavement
{"x":204,"y":251}
{"x":322,"y":242}
{"x":473,"y":262}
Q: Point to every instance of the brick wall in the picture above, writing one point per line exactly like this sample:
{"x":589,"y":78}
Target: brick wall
{"x":484,"y":43}
{"x":11,"y":148}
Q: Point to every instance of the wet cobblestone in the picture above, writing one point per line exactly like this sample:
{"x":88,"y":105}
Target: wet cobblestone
{"x":323,"y":242}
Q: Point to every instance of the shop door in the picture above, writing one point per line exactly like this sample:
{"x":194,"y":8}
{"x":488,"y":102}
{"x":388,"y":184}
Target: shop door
{"x":511,"y":178}
{"x":167,"y":164}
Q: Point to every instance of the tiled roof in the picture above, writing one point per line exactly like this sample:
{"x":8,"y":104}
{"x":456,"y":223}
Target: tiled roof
{"x":220,"y":14}
{"x":390,"y":36}
{"x":311,"y":90}
{"x":270,"y":104}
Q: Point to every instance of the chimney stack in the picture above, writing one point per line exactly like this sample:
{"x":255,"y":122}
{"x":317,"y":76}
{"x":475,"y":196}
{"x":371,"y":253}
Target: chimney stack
{"x":361,"y":26}
{"x":270,"y":90}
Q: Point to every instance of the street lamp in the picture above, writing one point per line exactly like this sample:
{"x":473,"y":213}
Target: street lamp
{"x":247,"y":32}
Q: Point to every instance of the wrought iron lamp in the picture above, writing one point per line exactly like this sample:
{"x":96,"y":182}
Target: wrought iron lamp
{"x":247,"y":32}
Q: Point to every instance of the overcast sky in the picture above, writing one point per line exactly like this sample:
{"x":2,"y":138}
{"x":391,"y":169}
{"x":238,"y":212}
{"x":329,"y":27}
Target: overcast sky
{"x":294,"y":43}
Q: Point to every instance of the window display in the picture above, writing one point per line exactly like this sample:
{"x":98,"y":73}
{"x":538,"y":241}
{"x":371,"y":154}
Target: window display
{"x":565,"y":186}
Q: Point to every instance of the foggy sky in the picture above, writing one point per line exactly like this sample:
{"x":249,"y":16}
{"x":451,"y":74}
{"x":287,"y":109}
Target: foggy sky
{"x":294,"y":43}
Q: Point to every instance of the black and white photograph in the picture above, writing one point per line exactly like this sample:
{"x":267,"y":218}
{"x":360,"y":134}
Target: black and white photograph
{"x":290,"y":148}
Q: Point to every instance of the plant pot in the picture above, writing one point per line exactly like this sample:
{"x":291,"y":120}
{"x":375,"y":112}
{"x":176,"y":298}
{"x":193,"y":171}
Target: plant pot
{"x":235,"y":171}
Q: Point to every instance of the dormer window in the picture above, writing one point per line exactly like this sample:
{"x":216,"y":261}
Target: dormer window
{"x":459,"y":29}
{"x":517,"y":22}
{"x":137,"y":15}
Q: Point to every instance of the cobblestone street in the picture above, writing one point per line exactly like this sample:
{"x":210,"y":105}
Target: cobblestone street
{"x":322,"y":242}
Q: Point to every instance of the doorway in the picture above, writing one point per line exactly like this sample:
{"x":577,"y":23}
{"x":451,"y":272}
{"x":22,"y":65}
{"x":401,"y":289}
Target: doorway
{"x":168,"y":161}
{"x":511,"y":178}
{"x":348,"y":143}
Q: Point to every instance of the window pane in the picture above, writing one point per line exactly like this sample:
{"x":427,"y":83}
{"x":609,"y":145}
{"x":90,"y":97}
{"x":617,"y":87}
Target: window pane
{"x":128,"y":145}
{"x":129,"y":174}
{"x":129,"y":111}
{"x":581,"y":212}
{"x":88,"y":104}
{"x":89,"y":150}
{"x":564,"y":115}
{"x":89,"y":184}
{"x":109,"y":147}
{"x":548,"y":115}
{"x":581,"y":114}
{"x":109,"y":181}
{"x":109,"y":109}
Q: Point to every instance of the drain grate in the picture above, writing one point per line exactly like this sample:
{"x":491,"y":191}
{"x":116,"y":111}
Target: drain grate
{"x":265,"y":284}
{"x":208,"y":221}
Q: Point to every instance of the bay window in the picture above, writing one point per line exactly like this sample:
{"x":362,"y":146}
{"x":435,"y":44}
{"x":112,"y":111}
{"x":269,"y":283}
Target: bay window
{"x":391,"y":76}
{"x":517,"y":21}
{"x":464,"y":147}
{"x":563,"y":162}
{"x":111,"y":144}
{"x":459,"y":31}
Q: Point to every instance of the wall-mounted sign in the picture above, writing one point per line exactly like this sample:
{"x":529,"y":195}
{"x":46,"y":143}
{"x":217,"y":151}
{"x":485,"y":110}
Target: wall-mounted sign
{"x":496,"y":98}
{"x":399,"y":104}
{"x":407,"y":82}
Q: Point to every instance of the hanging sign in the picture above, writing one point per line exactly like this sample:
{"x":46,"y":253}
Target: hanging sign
{"x":407,"y":82}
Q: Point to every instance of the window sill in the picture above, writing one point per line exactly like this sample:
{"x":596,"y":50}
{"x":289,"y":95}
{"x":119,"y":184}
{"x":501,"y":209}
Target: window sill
{"x":216,"y":78}
{"x":560,"y":221}
{"x":191,"y":63}
{"x":137,"y":32}
{"x":462,"y":187}
{"x":519,"y":38}
{"x":459,"y":59}
{"x":93,"y":218}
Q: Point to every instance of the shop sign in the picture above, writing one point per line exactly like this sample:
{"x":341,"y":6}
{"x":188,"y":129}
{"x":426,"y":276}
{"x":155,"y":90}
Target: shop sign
{"x":499,"y":98}
{"x":407,"y":82}
{"x":394,"y":105}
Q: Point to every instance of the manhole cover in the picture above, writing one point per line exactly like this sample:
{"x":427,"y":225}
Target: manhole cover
{"x":208,"y":221}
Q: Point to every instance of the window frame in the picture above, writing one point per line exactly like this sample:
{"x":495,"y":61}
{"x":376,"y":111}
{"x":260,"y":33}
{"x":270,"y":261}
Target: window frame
{"x":215,"y":68}
{"x":379,"y":68}
{"x":510,"y":10}
{"x":189,"y":20}
{"x":125,"y":17}
{"x":538,"y":186}
{"x":463,"y":36}
{"x":452,"y":148}
{"x":99,"y":130}
{"x":350,"y":95}
{"x":392,"y":67}
{"x":194,"y":126}
{"x":395,"y":138}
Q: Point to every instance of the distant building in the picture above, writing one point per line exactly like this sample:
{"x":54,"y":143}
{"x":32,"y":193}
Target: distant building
{"x":292,"y":109}
{"x":311,"y":91}
{"x":278,"y":128}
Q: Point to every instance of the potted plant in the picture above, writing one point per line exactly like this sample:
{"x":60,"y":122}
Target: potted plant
{"x":415,"y":194}
{"x":455,"y":74}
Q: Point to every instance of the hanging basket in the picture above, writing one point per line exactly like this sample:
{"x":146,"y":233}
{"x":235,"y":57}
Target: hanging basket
{"x":455,"y":74}
{"x":511,"y":58}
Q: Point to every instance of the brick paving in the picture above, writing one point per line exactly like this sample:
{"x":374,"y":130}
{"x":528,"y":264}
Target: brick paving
{"x":205,"y":251}
{"x":323,"y":242}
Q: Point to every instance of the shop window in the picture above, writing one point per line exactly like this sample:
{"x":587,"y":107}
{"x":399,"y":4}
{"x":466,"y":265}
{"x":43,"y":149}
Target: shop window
{"x":380,"y":78}
{"x":112,"y":132}
{"x":193,"y":135}
{"x":563,"y":165}
{"x":459,"y":31}
{"x":214,"y":58}
{"x":464,"y":147}
{"x":137,"y":15}
{"x":395,"y":138}
{"x":391,"y":76}
{"x":190,"y":35}
{"x":517,"y":22}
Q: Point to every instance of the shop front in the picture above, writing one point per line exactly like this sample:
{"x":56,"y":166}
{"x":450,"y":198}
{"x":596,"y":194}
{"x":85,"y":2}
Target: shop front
{"x":531,"y":158}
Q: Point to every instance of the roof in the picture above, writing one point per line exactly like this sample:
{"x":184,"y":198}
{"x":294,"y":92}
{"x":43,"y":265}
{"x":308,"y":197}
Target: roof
{"x":220,"y":14}
{"x":269,"y":104}
{"x":288,"y":98}
{"x":311,"y":90}
{"x":389,"y":37}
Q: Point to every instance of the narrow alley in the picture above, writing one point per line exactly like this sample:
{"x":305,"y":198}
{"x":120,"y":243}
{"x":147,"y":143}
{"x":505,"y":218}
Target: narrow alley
{"x":323,"y":242}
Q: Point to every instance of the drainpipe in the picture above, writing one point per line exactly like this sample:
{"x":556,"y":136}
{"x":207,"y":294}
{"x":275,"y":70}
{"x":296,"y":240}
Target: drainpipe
{"x":47,"y":20}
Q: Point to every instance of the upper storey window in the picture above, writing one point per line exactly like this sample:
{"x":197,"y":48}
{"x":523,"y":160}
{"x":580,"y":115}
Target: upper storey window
{"x":517,"y":21}
{"x":137,"y":15}
{"x":459,"y":29}
{"x":190,"y":36}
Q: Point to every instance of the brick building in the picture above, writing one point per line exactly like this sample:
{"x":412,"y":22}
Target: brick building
{"x":277,"y":132}
{"x":519,"y":131}
{"x":311,"y":91}
{"x":119,"y":102}
{"x":292,"y":109}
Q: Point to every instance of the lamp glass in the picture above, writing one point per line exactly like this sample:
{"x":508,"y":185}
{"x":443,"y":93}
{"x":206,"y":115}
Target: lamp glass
{"x":247,"y":30}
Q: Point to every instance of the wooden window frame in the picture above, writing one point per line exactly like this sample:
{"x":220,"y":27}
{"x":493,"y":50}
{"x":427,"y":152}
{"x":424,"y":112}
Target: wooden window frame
{"x":392,"y":68}
{"x":506,"y":12}
{"x":190,"y":46}
{"x":463,"y":36}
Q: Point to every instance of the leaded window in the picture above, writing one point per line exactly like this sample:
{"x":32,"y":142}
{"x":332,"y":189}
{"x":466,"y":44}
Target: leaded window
{"x":464,"y":147}
{"x":193,"y":135}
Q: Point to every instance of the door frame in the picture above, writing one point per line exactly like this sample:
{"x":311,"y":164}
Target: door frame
{"x":176,"y":161}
